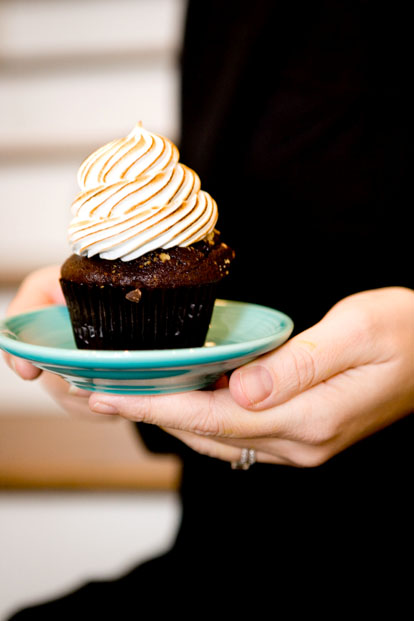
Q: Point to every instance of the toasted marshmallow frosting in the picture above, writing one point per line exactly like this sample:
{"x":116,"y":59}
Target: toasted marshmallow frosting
{"x":136,"y":196}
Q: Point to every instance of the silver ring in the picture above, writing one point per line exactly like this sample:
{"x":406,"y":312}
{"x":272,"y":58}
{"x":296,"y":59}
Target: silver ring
{"x":247,"y":458}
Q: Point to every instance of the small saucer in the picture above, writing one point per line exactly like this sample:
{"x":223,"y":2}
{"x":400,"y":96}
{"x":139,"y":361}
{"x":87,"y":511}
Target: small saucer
{"x":239,"y":332}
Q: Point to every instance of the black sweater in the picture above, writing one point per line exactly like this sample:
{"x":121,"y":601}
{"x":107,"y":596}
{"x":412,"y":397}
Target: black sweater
{"x":296,"y":115}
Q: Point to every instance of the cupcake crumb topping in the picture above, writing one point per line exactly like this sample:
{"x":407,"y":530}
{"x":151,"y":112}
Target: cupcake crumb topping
{"x":134,"y":295}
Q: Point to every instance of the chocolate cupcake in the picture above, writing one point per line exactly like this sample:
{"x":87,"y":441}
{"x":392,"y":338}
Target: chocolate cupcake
{"x":147,"y":258}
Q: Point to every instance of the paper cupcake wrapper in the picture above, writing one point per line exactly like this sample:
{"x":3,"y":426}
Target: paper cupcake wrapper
{"x":122,"y":318}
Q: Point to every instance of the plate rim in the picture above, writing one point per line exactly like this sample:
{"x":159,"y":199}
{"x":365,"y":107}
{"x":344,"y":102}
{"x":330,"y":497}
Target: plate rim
{"x":128,"y":359}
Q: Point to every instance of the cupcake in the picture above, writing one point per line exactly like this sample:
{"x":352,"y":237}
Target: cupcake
{"x":147,"y":257}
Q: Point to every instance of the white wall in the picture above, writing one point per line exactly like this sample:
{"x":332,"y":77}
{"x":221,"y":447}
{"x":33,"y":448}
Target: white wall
{"x":74,"y":74}
{"x":51,"y":543}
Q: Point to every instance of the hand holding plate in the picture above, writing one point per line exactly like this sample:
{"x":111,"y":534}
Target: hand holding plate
{"x":327,"y":388}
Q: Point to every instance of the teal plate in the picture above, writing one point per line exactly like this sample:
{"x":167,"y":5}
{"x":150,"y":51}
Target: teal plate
{"x":239,"y":332}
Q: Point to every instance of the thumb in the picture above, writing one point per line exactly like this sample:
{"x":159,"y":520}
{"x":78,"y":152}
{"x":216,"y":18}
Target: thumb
{"x":38,"y":289}
{"x":336,"y":343}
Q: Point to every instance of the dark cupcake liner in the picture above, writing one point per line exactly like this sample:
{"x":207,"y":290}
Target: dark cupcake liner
{"x":107,"y":317}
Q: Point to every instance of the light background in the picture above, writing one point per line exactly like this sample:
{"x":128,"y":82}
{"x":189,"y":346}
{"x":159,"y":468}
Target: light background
{"x":74,"y":74}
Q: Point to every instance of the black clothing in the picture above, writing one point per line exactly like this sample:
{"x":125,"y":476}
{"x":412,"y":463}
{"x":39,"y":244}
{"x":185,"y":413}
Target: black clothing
{"x":295,"y":116}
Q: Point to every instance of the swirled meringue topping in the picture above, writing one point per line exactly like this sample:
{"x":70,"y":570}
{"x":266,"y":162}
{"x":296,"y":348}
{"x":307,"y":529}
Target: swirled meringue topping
{"x":135,"y":197}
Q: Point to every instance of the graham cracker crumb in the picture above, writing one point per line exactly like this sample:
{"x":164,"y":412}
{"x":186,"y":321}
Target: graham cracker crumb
{"x":210,"y":238}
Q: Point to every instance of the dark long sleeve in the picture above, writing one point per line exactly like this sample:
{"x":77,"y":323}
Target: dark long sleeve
{"x":296,"y":116}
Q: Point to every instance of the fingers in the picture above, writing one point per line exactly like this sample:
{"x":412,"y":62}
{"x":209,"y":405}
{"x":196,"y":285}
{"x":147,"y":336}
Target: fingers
{"x":23,"y":368}
{"x":60,"y":389}
{"x":313,"y":426}
{"x":343,"y":339}
{"x":40,"y":288}
{"x":304,"y":431}
{"x":327,"y":388}
{"x":73,"y":400}
{"x":221,"y":450}
{"x":204,"y":413}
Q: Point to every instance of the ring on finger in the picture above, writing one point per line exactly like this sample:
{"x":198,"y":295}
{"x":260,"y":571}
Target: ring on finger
{"x":247,"y":459}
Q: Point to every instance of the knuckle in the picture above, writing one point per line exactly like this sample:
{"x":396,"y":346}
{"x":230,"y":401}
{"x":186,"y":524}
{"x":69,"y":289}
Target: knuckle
{"x":362,"y":324}
{"x":206,"y":421}
{"x":303,"y":364}
{"x":146,"y":408}
{"x":361,"y":319}
{"x":137,"y":409}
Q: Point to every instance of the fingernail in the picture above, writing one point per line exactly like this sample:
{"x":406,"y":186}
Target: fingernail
{"x":256,"y":383}
{"x":104,"y":408}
